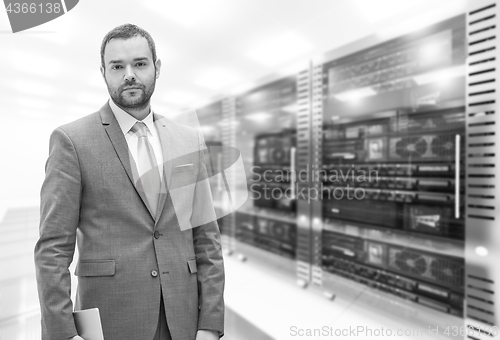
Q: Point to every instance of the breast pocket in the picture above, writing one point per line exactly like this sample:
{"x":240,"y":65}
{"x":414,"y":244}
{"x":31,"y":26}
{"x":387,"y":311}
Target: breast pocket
{"x":184,"y":176}
{"x":95,"y":268}
{"x":188,"y":167}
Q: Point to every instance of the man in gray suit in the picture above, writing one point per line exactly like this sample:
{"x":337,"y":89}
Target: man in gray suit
{"x":110,"y":189}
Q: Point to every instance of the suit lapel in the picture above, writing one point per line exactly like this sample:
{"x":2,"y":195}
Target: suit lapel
{"x":166,"y":142}
{"x":119,"y":143}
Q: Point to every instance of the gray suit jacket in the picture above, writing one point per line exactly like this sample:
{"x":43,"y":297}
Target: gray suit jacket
{"x":89,"y":197}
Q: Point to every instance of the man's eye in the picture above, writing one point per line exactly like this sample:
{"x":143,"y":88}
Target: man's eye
{"x":116,"y":67}
{"x":140,"y":64}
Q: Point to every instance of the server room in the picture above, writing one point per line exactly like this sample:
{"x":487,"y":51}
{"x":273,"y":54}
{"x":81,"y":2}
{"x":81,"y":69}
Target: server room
{"x":351,"y":156}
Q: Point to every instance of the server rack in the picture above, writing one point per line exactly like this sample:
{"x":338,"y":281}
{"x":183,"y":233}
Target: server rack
{"x":388,"y":157}
{"x":264,"y":121}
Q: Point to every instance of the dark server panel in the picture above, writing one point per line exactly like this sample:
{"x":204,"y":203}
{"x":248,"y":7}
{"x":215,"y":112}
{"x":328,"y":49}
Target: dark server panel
{"x":423,"y":277}
{"x":273,"y":182}
{"x":393,"y":164}
{"x":405,"y":177}
{"x":272,"y":235}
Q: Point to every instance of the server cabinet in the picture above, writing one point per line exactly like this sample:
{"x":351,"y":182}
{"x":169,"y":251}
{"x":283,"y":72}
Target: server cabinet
{"x":264,"y":122}
{"x":391,"y":170}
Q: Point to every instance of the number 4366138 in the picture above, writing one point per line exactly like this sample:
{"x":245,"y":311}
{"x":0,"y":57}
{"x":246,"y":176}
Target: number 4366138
{"x":33,"y":8}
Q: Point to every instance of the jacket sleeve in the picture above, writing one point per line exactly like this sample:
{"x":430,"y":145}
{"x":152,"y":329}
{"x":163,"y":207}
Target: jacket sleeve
{"x":209,"y":261}
{"x":59,"y":216}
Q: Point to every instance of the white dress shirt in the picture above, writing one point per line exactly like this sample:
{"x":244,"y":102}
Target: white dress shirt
{"x":126,"y":121}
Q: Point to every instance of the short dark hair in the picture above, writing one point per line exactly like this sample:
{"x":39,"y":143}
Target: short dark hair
{"x":127,"y":31}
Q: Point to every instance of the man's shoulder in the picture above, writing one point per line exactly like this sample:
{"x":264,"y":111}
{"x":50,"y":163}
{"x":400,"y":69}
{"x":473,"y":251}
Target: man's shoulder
{"x":81,"y":125}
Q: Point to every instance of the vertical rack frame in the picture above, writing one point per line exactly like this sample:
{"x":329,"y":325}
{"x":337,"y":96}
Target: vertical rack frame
{"x":482,"y":162}
{"x":303,"y":155}
{"x":316,"y":165}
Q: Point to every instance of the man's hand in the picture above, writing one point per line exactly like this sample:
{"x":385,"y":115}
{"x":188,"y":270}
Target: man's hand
{"x":77,"y":337}
{"x":203,"y":334}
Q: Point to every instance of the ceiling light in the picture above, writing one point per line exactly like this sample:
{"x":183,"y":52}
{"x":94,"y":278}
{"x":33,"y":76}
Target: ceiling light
{"x":440,"y":76}
{"x":431,"y":51}
{"x":291,"y":108}
{"x":481,"y":251}
{"x":436,"y":49}
{"x":280,"y":49}
{"x":207,"y":129}
{"x":224,"y":123}
{"x":355,"y":95}
{"x":258,"y":117}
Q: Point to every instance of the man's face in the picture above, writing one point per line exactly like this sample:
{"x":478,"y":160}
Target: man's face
{"x":129,"y":72}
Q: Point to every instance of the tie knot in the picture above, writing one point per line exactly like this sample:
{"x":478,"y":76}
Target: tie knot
{"x":140,"y":129}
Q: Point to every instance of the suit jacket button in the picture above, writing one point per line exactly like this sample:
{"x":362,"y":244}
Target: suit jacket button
{"x":154,"y":273}
{"x":157,"y":235}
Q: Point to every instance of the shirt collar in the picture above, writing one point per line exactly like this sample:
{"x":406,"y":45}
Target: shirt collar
{"x":126,"y":121}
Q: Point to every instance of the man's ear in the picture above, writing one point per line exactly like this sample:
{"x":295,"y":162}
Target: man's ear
{"x":157,"y":67}
{"x":103,"y":72}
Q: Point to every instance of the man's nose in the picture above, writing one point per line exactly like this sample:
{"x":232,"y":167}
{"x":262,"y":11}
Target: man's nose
{"x":129,"y":74}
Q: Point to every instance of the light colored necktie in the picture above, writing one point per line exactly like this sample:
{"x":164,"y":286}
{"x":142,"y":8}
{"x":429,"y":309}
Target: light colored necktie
{"x":147,"y":166}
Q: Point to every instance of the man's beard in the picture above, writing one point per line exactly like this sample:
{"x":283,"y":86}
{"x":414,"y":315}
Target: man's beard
{"x":139,"y":101}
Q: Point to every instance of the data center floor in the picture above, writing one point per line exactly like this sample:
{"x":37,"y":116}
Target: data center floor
{"x":267,"y":300}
